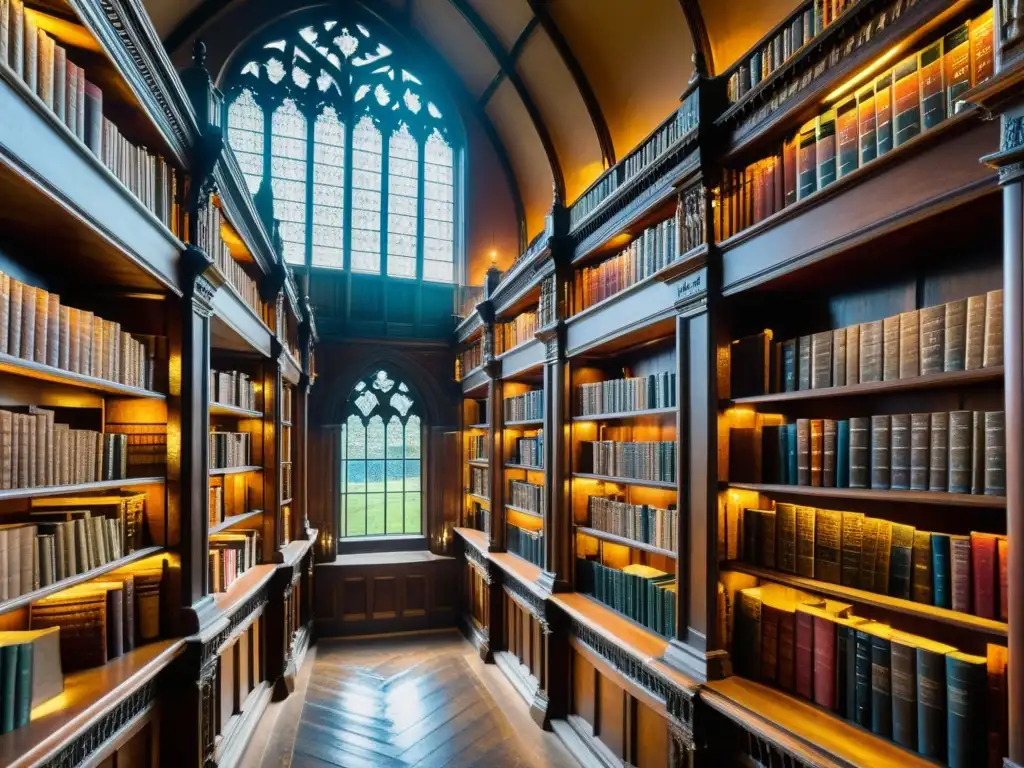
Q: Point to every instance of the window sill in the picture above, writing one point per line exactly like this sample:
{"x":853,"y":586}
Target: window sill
{"x":357,"y":545}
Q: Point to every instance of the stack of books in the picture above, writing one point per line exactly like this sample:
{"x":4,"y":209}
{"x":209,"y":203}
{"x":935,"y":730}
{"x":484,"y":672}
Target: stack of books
{"x":35,"y":326}
{"x":644,"y":594}
{"x":516,"y":331}
{"x":632,"y":393}
{"x":630,"y":460}
{"x":529,"y":451}
{"x":468,"y":360}
{"x":210,"y":239}
{"x":479,"y":482}
{"x":524,"y":407}
{"x":591,"y":200}
{"x":43,"y":64}
{"x":926,"y":696}
{"x":547,"y":310}
{"x":227,"y":500}
{"x":234,"y":388}
{"x":639,"y":522}
{"x":528,"y":496}
{"x":528,"y":544}
{"x":229,"y":449}
{"x":476,"y":447}
{"x":682,"y":122}
{"x":231,"y":555}
{"x":479,"y":518}
{"x":30,"y":674}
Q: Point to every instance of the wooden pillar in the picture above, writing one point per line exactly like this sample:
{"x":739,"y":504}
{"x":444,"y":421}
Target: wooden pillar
{"x":496,"y":462}
{"x":273,"y":386}
{"x":558,"y":531}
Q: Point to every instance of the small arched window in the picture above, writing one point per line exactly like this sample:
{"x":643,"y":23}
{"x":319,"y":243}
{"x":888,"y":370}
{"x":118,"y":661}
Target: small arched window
{"x":381,"y":461}
{"x":359,"y":160}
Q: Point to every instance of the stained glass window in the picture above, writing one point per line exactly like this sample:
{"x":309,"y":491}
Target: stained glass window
{"x":382,"y":170}
{"x":381,"y":462}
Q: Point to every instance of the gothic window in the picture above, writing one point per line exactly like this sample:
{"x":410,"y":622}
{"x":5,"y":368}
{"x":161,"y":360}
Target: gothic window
{"x":359,"y":159}
{"x":381,"y":485}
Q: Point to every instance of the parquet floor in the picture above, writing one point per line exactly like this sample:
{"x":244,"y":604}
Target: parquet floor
{"x":422,"y":701}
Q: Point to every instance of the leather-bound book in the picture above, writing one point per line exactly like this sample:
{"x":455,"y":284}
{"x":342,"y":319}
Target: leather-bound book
{"x":901,"y":561}
{"x":42,"y":325}
{"x":792,"y":455}
{"x":839,"y":357}
{"x":942,"y":580}
{"x":1003,"y":580}
{"x":883,"y":557}
{"x":789,"y":366}
{"x":147,"y":606}
{"x":870,"y":352}
{"x":978,"y":453}
{"x":998,"y":714}
{"x":992,"y":354}
{"x":866,"y":124}
{"x":860,"y":452}
{"x":938,"y":453}
{"x":807,"y":161}
{"x":848,"y":151}
{"x":982,"y":61}
{"x":7,"y":468}
{"x":744,"y":455}
{"x":891,"y":348}
{"x":828,"y":527}
{"x":804,"y":653}
{"x":787,"y":647}
{"x":785,"y":528}
{"x":805,"y":524}
{"x":749,"y":365}
{"x":5,"y":308}
{"x":64,"y":345}
{"x":765,"y":522}
{"x":817,"y":452}
{"x":921,"y":583}
{"x":53,"y":330}
{"x":955,"y":349}
{"x":931,"y":698}
{"x":28,"y":322}
{"x":828,"y":453}
{"x":821,"y":360}
{"x":825,"y":693}
{"x":781,"y":458}
{"x":899,"y":453}
{"x":863,"y":698}
{"x":961,"y":424}
{"x":825,"y":135}
{"x":933,"y":95}
{"x":81,"y":614}
{"x":868,"y":554}
{"x":852,"y":543}
{"x":852,"y":355}
{"x":769,"y":641}
{"x":846,"y":664}
{"x":974,"y":341}
{"x":884,"y":112}
{"x":960,"y":567}
{"x":804,"y":362}
{"x":903,"y":655}
{"x":906,"y":100}
{"x":772,"y":458}
{"x":803,"y":448}
{"x":984,"y":562}
{"x":910,"y":345}
{"x":881,"y":682}
{"x":933,"y":338}
{"x":995,"y":453}
{"x":881,"y":471}
{"x":747,"y":634}
{"x":956,"y":65}
{"x":14,"y":321}
{"x":843,"y":454}
{"x":967,"y":709}
{"x":789,"y":172}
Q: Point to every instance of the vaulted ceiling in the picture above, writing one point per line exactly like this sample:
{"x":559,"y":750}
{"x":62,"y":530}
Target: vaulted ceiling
{"x":559,"y":88}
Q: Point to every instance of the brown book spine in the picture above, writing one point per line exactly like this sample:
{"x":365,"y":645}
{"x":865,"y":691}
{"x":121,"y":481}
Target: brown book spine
{"x":891,"y":348}
{"x":956,"y":335}
{"x":974,"y":344}
{"x":960,"y":572}
{"x":853,"y":354}
{"x":933,"y":344}
{"x":920,"y":443}
{"x":817,"y":451}
{"x":860,"y":449}
{"x":16,"y":302}
{"x":910,"y":340}
{"x":871,"y":352}
{"x":938,"y":453}
{"x":961,"y":424}
{"x":803,"y":451}
{"x":828,"y":461}
{"x":821,"y":356}
{"x":53,"y":330}
{"x":804,"y":362}
{"x":28,"y":322}
{"x":900,"y":449}
{"x":995,"y":453}
{"x":805,"y":542}
{"x":839,"y":356}
{"x":5,"y":312}
{"x":881,"y":471}
{"x":42,"y":325}
{"x":993,"y":353}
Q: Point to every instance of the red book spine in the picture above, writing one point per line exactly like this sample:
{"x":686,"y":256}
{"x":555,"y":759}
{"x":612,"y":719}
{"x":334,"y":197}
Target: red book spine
{"x":769,"y":643}
{"x":825,"y":663}
{"x":983,"y":564}
{"x":1003,"y":545}
{"x":786,"y":650}
{"x":805,"y":655}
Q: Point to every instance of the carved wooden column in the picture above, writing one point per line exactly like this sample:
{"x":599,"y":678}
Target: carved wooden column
{"x":273,"y":434}
{"x":495,"y":423}
{"x":300,"y":421}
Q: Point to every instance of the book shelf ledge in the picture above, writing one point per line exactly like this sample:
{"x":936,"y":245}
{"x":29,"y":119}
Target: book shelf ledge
{"x":88,"y":696}
{"x":235,"y":470}
{"x":634,"y":639}
{"x":626,"y":480}
{"x":864,"y":597}
{"x":227,"y":522}
{"x":521,"y":569}
{"x":243,"y":588}
{"x":527,"y":467}
{"x":60,"y":490}
{"x":521,"y":511}
{"x":624,"y":415}
{"x":286,"y":502}
{"x":478,"y":497}
{"x":611,"y":537}
{"x":525,"y":423}
{"x":59,"y":586}
{"x":479,"y":426}
{"x":223,"y":409}
{"x":874,"y":494}
{"x":288,"y":555}
{"x":42,"y":372}
{"x":476,"y":539}
{"x":928,"y":381}
{"x":477,"y":462}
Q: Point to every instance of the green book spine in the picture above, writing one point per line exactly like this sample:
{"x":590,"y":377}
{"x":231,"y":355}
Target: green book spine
{"x":881,"y":687}
{"x":931,"y":704}
{"x":967,"y":713}
{"x":844,"y":639}
{"x":843,"y":454}
{"x":904,"y":694}
{"x":849,"y":705}
{"x":862,"y":676}
{"x":941,"y":592}
{"x":8,"y":686}
{"x":23,"y":686}
{"x":791,"y":454}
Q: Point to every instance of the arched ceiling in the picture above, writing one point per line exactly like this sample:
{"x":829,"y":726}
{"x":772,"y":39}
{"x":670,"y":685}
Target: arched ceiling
{"x":563,"y":88}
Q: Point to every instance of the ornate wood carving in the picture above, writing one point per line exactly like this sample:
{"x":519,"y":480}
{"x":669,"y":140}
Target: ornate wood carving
{"x":529,"y":600}
{"x":479,"y":562}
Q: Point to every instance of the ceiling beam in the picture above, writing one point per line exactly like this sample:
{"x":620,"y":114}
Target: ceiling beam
{"x":699,"y":36}
{"x":513,"y":53}
{"x":604,"y":136}
{"x":490,"y":39}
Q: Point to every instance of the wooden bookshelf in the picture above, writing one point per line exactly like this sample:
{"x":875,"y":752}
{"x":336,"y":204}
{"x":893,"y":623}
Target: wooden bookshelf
{"x":869,"y":494}
{"x":627,"y":415}
{"x":78,"y":488}
{"x":233,"y":520}
{"x":32,"y":370}
{"x":521,"y":511}
{"x":525,"y":423}
{"x":624,"y":541}
{"x":527,"y":467}
{"x":235,"y":470}
{"x":220,"y":409}
{"x":625,"y":480}
{"x":612,"y":625}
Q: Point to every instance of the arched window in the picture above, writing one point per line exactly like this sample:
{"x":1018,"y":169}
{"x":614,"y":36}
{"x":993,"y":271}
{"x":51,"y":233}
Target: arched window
{"x":359,"y":160}
{"x":381,"y":462}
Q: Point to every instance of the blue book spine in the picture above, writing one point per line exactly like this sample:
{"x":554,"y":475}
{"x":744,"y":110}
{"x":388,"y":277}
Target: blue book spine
{"x":784,"y":456}
{"x":942,"y":593}
{"x":843,"y":454}
{"x":791,"y":454}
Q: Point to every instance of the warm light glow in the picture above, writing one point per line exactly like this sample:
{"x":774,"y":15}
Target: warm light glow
{"x":69,"y":33}
{"x":863,"y":75}
{"x":620,"y":240}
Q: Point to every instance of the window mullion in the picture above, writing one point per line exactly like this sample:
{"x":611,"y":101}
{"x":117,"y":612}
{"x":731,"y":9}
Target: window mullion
{"x":310,"y":157}
{"x":385,"y":171}
{"x":421,"y":185}
{"x":346,"y":214}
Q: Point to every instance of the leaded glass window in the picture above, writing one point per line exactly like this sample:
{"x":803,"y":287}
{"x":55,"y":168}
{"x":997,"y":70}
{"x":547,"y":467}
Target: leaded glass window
{"x":360,"y":159}
{"x":381,"y":463}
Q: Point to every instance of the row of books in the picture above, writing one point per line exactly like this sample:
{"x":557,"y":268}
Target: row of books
{"x":479,"y":482}
{"x":529,"y":405}
{"x":966,"y":334}
{"x":478,"y":518}
{"x":230,"y":449}
{"x":469,"y":360}
{"x":209,"y":238}
{"x":591,"y":200}
{"x":234,"y":388}
{"x":35,"y":326}
{"x":547,"y":308}
{"x":954,"y":452}
{"x":37,"y":453}
{"x":529,"y":451}
{"x":644,"y":594}
{"x":104,"y":619}
{"x":679,"y":125}
{"x":961,"y":573}
{"x":529,"y":545}
{"x":227,"y":500}
{"x":147,"y":447}
{"x":43,"y":64}
{"x":651,"y":251}
{"x":918,"y":94}
{"x":926,"y":696}
{"x":231,"y":555}
{"x":650,"y":460}
{"x":632,"y":393}
{"x":527,"y":496}
{"x":801,"y":30}
{"x":639,"y":522}
{"x":476,"y":447}
{"x":514,"y":332}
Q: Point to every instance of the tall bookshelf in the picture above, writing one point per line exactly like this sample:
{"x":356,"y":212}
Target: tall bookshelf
{"x":476,"y":512}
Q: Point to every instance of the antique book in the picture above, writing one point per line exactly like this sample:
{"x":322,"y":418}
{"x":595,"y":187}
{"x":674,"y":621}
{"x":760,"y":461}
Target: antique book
{"x":770,"y":615}
{"x":843,"y":454}
{"x":978,"y":453}
{"x":1002,"y":570}
{"x":828,"y":451}
{"x":839,"y":357}
{"x":966,"y":714}
{"x":956,"y":56}
{"x":921,"y":581}
{"x":961,"y":424}
{"x":901,"y":561}
{"x":817,"y":449}
{"x":31,"y":50}
{"x":807,"y":161}
{"x":5,"y":31}
{"x":803,"y":443}
{"x":81,"y":614}
{"x":863,"y":677}
{"x":852,"y":355}
{"x":982,"y":62}
{"x":995,"y":453}
{"x":899,"y":452}
{"x":825,"y":150}
{"x":974,"y":336}
{"x":910,"y":345}
{"x":46,"y":64}
{"x":931,"y":698}
{"x":5,"y":312}
{"x":52,"y":330}
{"x":42,"y":662}
{"x":848,"y":150}
{"x":933,"y":339}
{"x":789,"y":362}
{"x":866,"y":123}
{"x":821,"y":360}
{"x":787,"y":645}
{"x":942,"y":580}
{"x":891,"y":348}
{"x":786,"y":543}
{"x":920,"y":440}
{"x":998,"y":711}
{"x":16,"y":51}
{"x":904,"y":689}
{"x":868,"y":554}
{"x":805,"y":544}
{"x":803,"y":652}
{"x":93,"y":118}
{"x":747,"y":634}
{"x":938,"y":453}
{"x":884,"y":112}
{"x":933,"y":95}
{"x":983,"y":572}
{"x":993,"y":349}
{"x":860,"y":452}
{"x":824,"y":655}
{"x":906,"y":100}
{"x":60,"y":74}
{"x":828,"y":545}
{"x":792,"y":454}
{"x":28,"y":322}
{"x":870,"y":352}
{"x":852,"y":540}
{"x":789,"y":173}
{"x":804,"y":359}
{"x":960,"y":573}
{"x":883,"y":558}
{"x":16,"y":302}
{"x":881,"y":682}
{"x":881,"y":471}
{"x":955,"y":335}
{"x":846,"y":664}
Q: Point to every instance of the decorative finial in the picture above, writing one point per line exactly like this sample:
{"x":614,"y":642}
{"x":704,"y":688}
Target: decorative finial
{"x":199,"y":53}
{"x":494,"y":257}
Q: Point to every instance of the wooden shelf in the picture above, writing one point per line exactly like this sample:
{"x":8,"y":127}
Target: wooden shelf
{"x":477,"y":539}
{"x":628,"y":415}
{"x":522,"y":570}
{"x":863,"y":597}
{"x":30,"y":597}
{"x":60,"y":490}
{"x":626,"y":480}
{"x":294,"y":551}
{"x":234,"y":470}
{"x":525,"y":423}
{"x":613,"y":626}
{"x":869,"y":494}
{"x":928,"y":381}
{"x":521,"y":511}
{"x":478,"y":497}
{"x":285,"y":502}
{"x":611,"y":537}
{"x":88,"y":695}
{"x":243,"y":587}
{"x":222,"y":409}
{"x":40,"y":372}
{"x":227,"y":522}
{"x":527,"y":467}
{"x":479,"y":426}
{"x":477,"y":462}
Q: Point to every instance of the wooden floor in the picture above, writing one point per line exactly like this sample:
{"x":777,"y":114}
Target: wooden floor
{"x":419,"y":700}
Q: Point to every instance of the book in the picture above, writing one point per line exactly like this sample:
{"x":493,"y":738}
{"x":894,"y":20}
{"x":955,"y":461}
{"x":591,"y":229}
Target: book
{"x":901,"y":561}
{"x":41,"y":664}
{"x":982,"y":62}
{"x":956,"y":65}
{"x":860,"y":452}
{"x":848,"y":150}
{"x":825,"y":150}
{"x":883,"y":557}
{"x":804,"y":652}
{"x":807,"y":161}
{"x":881,"y":682}
{"x":852,"y":537}
{"x":931,"y":698}
{"x":995,"y":453}
{"x":821,"y":360}
{"x":938,"y":464}
{"x":884,"y":113}
{"x":933,"y":339}
{"x":846,"y":664}
{"x":891,"y":340}
{"x":81,"y":614}
{"x":866,"y":123}
{"x":992,"y":353}
{"x":978,"y":452}
{"x":1003,"y":576}
{"x":803,"y":443}
{"x":921,"y":557}
{"x":804,"y":361}
{"x":805,"y":541}
{"x":842,"y":460}
{"x":960,"y":573}
{"x":881,"y":472}
{"x":747,"y":634}
{"x":871,"y":336}
{"x":828,"y":546}
{"x":974,"y":336}
{"x":93,"y":118}
{"x":903,"y":679}
{"x":792,"y":455}
{"x":955,"y":336}
{"x":839,"y":356}
{"x":789,"y":172}
{"x":817,"y":448}
{"x":828,"y":453}
{"x":998,"y":715}
{"x":920,"y":443}
{"x":852,"y":355}
{"x":942,"y":586}
{"x":909,"y":345}
{"x":790,"y":380}
{"x":933,"y":92}
{"x":966,"y":713}
{"x":899,"y":452}
{"x":863,"y":672}
{"x":907,"y":100}
{"x":786,"y":532}
{"x":8,"y":687}
{"x":868,"y":554}
{"x":983,"y":574}
{"x":961,"y":426}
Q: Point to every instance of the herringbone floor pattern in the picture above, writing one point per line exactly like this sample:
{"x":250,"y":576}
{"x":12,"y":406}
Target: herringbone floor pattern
{"x":398,"y":702}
